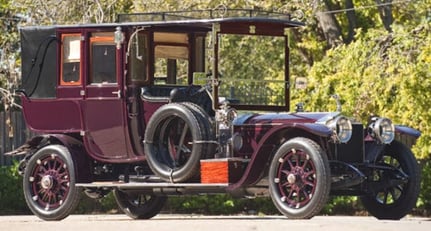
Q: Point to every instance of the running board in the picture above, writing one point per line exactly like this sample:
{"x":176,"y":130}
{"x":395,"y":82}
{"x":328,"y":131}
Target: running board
{"x":150,"y":185}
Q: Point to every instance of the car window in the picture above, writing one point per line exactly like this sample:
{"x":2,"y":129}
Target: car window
{"x":262,"y":83}
{"x":103,"y":58}
{"x":171,"y":55}
{"x":71,"y":59}
{"x":138,"y":57}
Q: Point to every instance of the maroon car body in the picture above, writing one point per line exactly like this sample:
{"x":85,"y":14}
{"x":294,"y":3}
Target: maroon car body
{"x":120,"y":107}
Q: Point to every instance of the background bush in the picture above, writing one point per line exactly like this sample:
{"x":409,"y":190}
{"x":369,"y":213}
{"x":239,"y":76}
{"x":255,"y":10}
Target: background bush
{"x":424,"y":202}
{"x":11,"y":195}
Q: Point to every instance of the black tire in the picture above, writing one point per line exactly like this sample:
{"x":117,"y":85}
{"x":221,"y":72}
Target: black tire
{"x":139,"y":206}
{"x":393,"y":203}
{"x":49,"y":183}
{"x":174,"y":143}
{"x":299,"y":178}
{"x":209,"y":130}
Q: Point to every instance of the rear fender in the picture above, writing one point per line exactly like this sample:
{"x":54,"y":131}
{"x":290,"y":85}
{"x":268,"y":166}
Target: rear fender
{"x":75,"y":147}
{"x":270,"y":142}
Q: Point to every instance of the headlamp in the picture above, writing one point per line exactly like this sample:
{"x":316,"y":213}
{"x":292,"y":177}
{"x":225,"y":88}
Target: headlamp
{"x":383,"y":130}
{"x":342,"y":128}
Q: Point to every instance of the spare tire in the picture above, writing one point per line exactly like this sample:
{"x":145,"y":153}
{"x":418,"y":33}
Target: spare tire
{"x":175,"y":140}
{"x":209,"y":129}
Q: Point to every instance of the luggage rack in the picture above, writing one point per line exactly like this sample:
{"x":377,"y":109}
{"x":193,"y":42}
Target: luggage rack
{"x":220,"y":12}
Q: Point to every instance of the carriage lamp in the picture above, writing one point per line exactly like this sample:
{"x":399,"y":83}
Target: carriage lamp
{"x":237,"y":141}
{"x":118,"y":37}
{"x":342,"y":128}
{"x":226,"y":115}
{"x":383,"y":130}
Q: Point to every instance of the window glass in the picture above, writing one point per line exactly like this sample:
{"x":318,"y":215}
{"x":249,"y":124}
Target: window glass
{"x":71,"y":59}
{"x":171,"y":66}
{"x":164,"y":37}
{"x":263,"y":82}
{"x":103,"y":58}
{"x":138,"y":58}
{"x":171,"y":55}
{"x":200,"y":54}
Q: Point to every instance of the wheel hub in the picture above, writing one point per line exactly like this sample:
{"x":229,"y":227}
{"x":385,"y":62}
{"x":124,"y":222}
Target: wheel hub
{"x":291,"y":178}
{"x":47,"y":182}
{"x":296,"y":176}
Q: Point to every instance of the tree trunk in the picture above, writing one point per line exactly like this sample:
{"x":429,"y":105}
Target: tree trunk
{"x":385,"y":11}
{"x":351,"y":17}
{"x":307,"y":56}
{"x":328,"y":23}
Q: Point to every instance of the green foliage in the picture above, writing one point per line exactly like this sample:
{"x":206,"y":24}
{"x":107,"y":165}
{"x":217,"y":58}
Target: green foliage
{"x":379,"y":73}
{"x":88,"y":205}
{"x":8,"y":43}
{"x":260,"y":83}
{"x":11,"y":194}
{"x":219,"y":205}
{"x":424,"y":203}
{"x":348,"y":205}
{"x":48,"y":12}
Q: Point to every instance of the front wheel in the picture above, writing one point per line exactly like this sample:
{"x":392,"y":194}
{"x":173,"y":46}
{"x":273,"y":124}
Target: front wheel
{"x":299,"y":178}
{"x":49,"y":183}
{"x":139,"y":205}
{"x":396,"y":192}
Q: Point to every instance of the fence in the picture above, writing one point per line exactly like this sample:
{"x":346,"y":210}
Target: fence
{"x":13,"y":133}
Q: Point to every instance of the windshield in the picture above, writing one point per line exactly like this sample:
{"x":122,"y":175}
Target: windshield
{"x":252,"y":70}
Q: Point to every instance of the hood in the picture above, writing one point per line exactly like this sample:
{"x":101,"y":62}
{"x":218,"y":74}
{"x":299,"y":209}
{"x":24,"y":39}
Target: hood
{"x":285,"y":118}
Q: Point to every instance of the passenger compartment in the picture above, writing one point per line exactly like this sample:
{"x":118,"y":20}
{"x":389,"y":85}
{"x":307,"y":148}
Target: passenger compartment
{"x":165,"y":94}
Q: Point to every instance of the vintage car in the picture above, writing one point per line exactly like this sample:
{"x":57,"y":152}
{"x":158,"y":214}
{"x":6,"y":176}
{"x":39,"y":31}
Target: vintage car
{"x":176,"y":103}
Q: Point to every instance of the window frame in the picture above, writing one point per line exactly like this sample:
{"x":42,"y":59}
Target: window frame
{"x":101,"y":38}
{"x":62,"y":81}
{"x":176,"y":40}
{"x":146,"y":59}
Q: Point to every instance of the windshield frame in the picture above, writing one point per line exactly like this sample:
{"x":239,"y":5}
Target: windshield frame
{"x":251,"y":29}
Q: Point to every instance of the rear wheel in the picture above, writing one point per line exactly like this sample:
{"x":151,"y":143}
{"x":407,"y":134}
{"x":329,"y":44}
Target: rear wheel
{"x":138,"y":205}
{"x":49,"y":183}
{"x":396,"y":192}
{"x":299,"y":178}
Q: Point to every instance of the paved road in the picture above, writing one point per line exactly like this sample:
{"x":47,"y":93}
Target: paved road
{"x":211,"y":223}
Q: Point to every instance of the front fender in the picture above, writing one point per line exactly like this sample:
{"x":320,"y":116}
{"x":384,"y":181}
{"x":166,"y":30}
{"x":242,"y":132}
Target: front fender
{"x":406,"y":135}
{"x":404,"y":130}
{"x":267,"y":144}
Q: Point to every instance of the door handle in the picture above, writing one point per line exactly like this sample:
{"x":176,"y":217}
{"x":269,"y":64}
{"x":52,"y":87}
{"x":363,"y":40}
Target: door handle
{"x":118,"y":93}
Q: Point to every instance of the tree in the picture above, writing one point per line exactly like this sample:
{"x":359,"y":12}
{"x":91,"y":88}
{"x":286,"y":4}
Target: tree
{"x":389,"y":74}
{"x":8,"y":53}
{"x":67,"y":12}
{"x":328,"y":23}
{"x":385,"y":12}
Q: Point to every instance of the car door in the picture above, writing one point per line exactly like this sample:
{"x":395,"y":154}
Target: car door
{"x":104,"y":107}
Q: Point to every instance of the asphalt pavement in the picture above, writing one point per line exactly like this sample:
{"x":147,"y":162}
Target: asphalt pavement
{"x":212,"y":223}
